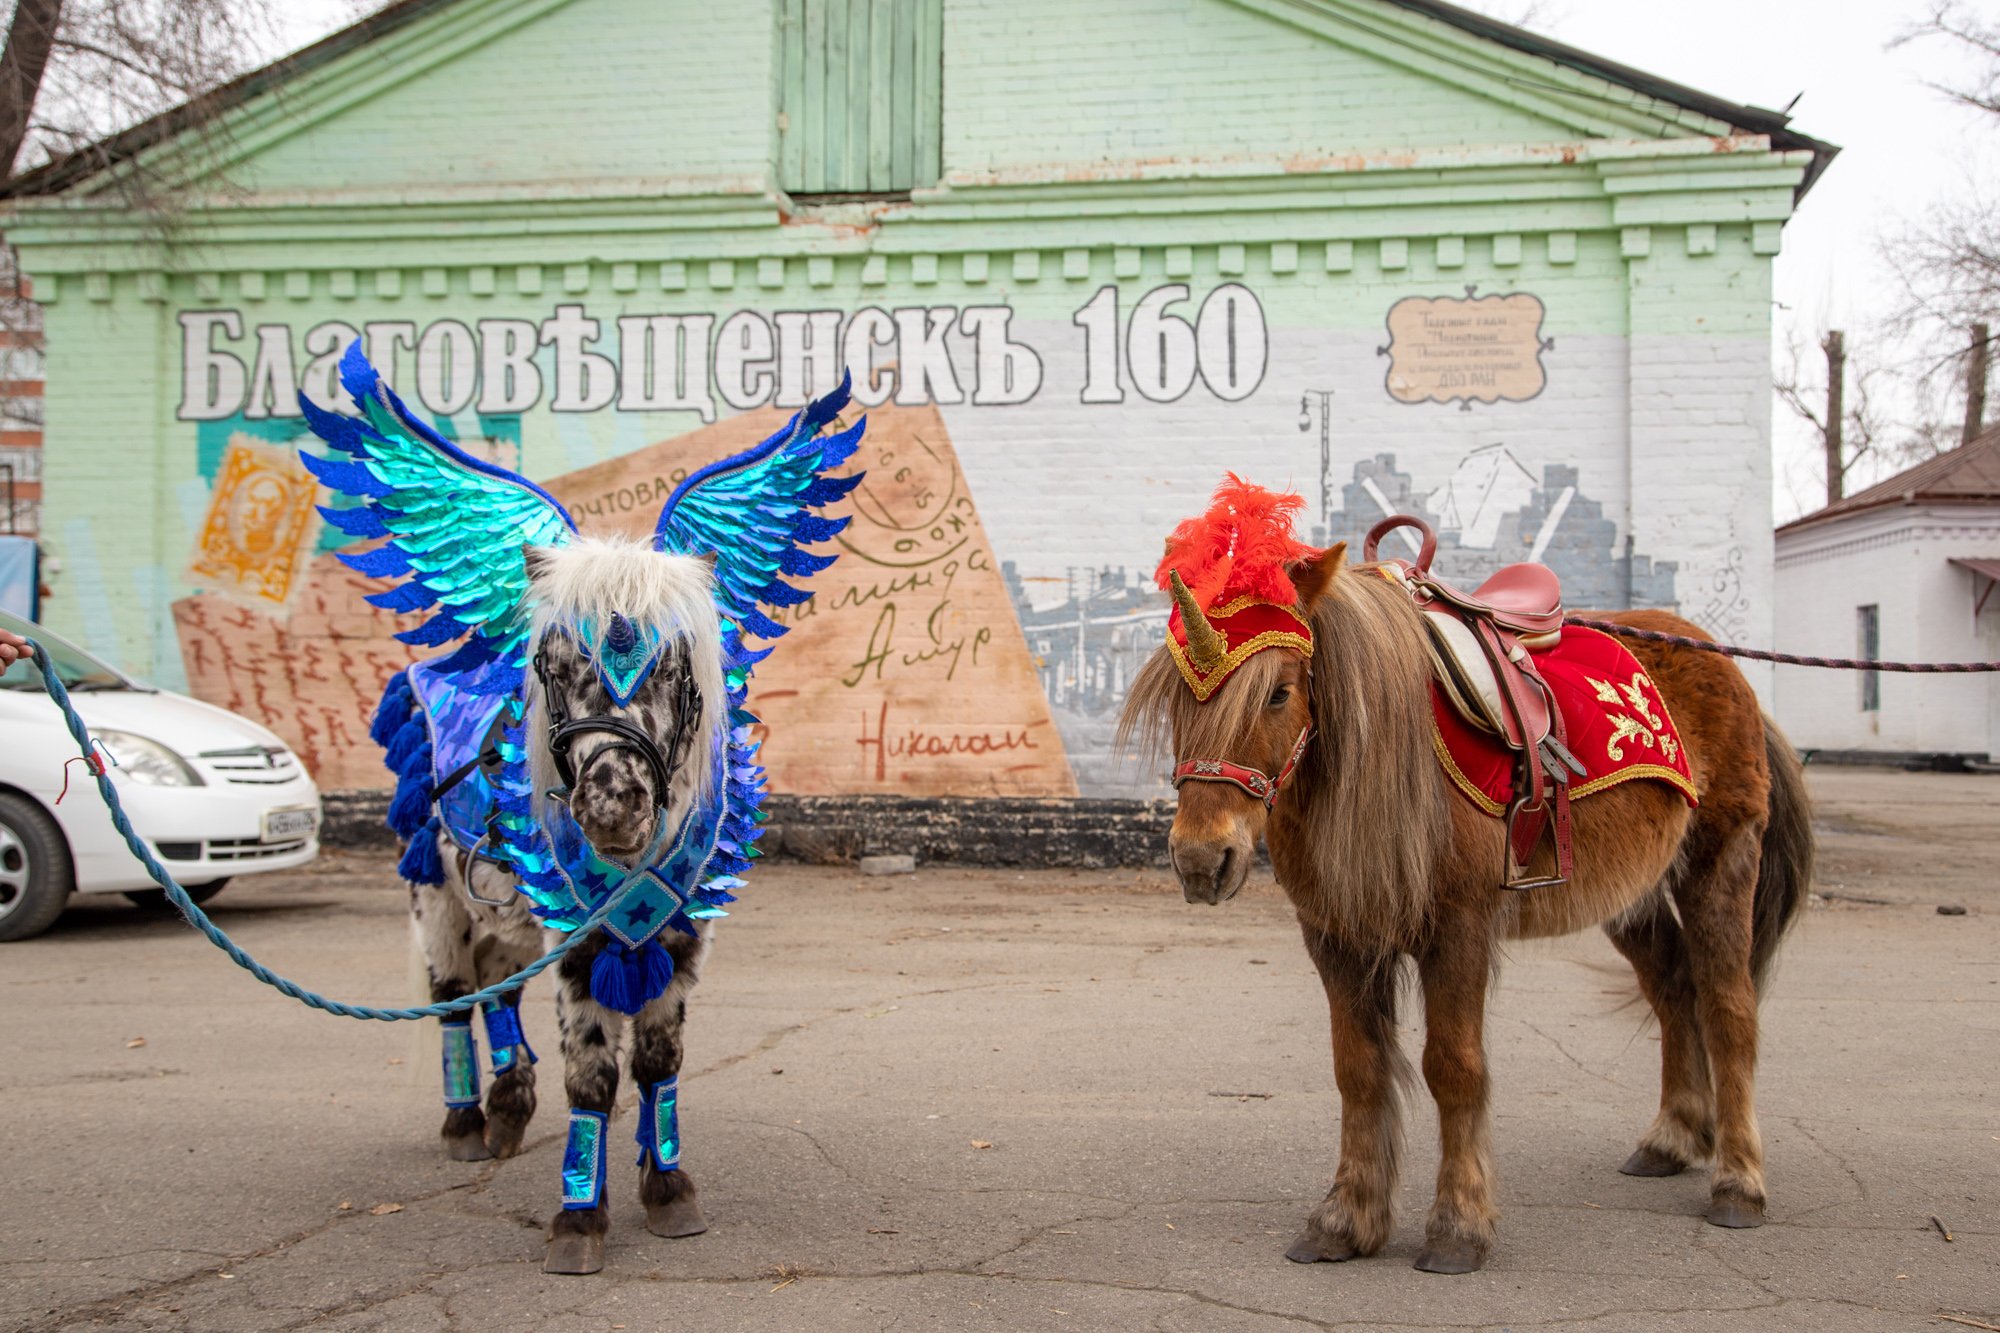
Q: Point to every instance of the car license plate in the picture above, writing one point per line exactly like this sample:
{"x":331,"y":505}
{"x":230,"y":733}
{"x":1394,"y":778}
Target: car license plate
{"x":290,"y":825}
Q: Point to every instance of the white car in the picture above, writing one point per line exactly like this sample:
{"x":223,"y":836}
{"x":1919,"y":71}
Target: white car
{"x":213,"y":794}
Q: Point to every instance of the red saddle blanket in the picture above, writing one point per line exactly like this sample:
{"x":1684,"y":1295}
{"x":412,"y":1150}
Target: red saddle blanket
{"x":1617,"y":723}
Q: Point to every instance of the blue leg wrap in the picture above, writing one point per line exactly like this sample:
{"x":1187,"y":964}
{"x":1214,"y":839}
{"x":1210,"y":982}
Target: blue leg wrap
{"x":659,"y":1133}
{"x":504,"y":1036}
{"x":583,"y":1160}
{"x":461,"y":1064}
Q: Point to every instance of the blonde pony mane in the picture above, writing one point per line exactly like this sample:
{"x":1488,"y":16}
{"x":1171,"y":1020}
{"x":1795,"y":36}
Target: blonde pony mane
{"x":593,"y":578}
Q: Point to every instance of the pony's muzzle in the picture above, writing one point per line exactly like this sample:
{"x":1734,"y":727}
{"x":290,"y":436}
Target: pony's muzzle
{"x":1210,"y":872}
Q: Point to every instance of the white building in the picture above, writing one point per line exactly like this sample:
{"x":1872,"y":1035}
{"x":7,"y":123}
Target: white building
{"x":1902,"y":571}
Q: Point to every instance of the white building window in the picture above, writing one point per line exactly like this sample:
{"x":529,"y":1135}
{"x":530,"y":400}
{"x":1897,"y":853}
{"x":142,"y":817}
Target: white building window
{"x":1868,"y":635}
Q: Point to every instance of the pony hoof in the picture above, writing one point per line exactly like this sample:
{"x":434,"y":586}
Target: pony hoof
{"x":677,"y":1218}
{"x":1736,"y":1212}
{"x":1450,"y":1256}
{"x":503,"y":1138}
{"x":466,"y":1148}
{"x":1311,"y":1249}
{"x":1646,"y":1161}
{"x":576,"y":1255}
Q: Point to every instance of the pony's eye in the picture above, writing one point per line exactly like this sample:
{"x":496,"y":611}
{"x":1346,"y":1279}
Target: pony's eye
{"x":1280,"y":697}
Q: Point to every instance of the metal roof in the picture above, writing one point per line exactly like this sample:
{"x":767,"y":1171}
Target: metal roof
{"x":1752,"y":119}
{"x":1969,"y":474}
{"x":1987,"y":566}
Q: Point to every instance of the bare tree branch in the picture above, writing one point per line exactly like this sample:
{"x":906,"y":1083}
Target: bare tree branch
{"x":31,"y":36}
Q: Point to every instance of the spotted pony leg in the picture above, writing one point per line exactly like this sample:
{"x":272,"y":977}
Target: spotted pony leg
{"x":590,"y":1035}
{"x":673,"y":1207}
{"x":443,"y":926}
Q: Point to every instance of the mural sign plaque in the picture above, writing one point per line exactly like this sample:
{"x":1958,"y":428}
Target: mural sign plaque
{"x":1470,"y":349}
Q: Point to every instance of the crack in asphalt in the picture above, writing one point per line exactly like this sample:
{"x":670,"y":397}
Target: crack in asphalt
{"x":112,"y":1305}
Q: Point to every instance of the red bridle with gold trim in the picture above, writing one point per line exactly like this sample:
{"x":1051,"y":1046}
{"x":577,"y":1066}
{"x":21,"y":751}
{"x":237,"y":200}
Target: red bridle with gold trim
{"x":1258,"y":783}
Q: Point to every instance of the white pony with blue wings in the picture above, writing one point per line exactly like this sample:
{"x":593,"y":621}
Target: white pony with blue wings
{"x":586,"y":739}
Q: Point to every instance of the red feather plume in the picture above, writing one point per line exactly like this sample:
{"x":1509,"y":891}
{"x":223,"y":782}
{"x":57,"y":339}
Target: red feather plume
{"x":1240,"y":547}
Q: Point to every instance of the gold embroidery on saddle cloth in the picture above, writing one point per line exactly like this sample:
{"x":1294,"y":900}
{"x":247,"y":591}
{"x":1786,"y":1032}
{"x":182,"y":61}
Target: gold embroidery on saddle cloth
{"x":1650,"y":729}
{"x":1578,"y":790}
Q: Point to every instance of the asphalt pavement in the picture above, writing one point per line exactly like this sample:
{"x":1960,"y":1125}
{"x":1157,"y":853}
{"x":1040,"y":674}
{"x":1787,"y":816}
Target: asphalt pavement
{"x":1000,"y":1100}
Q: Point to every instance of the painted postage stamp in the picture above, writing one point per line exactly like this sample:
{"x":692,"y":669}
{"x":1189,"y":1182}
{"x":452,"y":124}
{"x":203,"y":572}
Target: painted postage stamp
{"x":260,"y":527}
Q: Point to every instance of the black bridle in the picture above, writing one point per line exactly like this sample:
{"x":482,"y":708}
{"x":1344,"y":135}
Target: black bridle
{"x":564,"y":729}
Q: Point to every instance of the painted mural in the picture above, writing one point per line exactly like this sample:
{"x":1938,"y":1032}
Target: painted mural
{"x":937,"y":656}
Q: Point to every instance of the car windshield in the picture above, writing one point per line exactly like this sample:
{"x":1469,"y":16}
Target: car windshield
{"x":76,"y":669}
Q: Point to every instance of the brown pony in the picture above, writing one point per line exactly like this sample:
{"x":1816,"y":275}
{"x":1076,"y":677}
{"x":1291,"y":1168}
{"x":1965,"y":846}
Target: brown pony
{"x":1382,"y":859}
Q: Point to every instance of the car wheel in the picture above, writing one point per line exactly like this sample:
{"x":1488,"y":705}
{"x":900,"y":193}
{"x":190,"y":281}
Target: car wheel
{"x":157,"y":900}
{"x":35,"y":873}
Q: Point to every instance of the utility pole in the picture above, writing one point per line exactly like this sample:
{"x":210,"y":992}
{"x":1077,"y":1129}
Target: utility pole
{"x":1975,"y":384}
{"x":1325,"y":397}
{"x":1836,"y":412}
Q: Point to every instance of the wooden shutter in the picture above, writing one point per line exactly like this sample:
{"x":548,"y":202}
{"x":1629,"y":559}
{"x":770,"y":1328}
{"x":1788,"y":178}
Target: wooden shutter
{"x":860,"y":95}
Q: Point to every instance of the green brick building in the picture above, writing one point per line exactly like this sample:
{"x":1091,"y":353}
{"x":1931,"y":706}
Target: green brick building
{"x":1080,"y":258}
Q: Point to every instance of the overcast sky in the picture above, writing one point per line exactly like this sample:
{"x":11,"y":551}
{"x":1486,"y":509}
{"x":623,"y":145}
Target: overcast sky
{"x":1903,"y":144}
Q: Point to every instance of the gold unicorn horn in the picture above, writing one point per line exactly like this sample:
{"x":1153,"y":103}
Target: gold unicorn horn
{"x":1205,"y":648}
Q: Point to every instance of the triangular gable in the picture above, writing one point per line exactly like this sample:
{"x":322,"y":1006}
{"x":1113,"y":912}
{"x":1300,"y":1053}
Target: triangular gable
{"x":489,"y":92}
{"x":467,"y":93}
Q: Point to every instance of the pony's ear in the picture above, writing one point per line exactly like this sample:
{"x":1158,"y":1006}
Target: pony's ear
{"x":1313,"y":577}
{"x":535,"y":558}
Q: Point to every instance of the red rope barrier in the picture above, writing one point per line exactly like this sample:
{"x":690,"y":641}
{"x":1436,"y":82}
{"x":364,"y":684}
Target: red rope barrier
{"x":1783,"y":659}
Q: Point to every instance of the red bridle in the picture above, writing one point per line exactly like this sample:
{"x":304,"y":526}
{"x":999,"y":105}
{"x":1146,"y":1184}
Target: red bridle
{"x":1260,"y":785}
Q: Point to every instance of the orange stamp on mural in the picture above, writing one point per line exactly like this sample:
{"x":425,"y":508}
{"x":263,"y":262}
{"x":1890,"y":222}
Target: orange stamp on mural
{"x":260,"y":525}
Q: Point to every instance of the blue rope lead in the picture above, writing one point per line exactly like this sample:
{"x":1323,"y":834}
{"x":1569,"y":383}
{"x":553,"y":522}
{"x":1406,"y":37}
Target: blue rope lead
{"x":199,"y":919}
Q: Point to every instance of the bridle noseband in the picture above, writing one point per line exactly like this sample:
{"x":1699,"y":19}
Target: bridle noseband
{"x":564,"y":730}
{"x":1258,"y":783}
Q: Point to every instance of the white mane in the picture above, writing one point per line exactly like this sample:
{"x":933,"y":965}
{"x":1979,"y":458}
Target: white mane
{"x":596,"y":577}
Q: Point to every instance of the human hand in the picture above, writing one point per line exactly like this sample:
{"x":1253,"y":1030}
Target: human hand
{"x":13,"y":647}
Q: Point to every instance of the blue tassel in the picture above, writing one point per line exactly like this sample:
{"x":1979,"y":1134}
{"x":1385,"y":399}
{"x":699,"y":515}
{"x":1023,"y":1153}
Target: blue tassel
{"x":625,"y":979}
{"x":397,"y":700}
{"x":613,"y":979}
{"x":411,"y":806}
{"x":421,"y":863}
{"x":405,"y":739}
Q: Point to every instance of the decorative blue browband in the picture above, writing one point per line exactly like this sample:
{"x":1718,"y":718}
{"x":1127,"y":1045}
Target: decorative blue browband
{"x":504,"y":1036}
{"x":659,"y":1132}
{"x":461,"y":1063}
{"x":583,"y":1160}
{"x":623,"y":653}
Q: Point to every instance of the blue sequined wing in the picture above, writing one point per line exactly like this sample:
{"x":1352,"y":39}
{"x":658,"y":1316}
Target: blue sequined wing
{"x":757,"y":512}
{"x":456,"y":525}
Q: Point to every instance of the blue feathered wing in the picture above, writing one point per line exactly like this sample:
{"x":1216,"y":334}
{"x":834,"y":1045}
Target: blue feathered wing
{"x":456,"y":525}
{"x":757,"y":512}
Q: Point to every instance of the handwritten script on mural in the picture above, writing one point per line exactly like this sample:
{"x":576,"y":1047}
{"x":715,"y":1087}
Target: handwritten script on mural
{"x":1470,"y":349}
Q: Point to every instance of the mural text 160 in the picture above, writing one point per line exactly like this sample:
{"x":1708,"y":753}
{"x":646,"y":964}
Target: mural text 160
{"x":945,"y":355}
{"x":1226,"y":344}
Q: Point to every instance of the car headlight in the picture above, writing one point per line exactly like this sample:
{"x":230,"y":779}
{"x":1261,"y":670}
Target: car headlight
{"x":147,"y":761}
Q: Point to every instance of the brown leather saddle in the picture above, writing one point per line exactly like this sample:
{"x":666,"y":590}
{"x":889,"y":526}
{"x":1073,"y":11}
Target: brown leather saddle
{"x":1482,"y":646}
